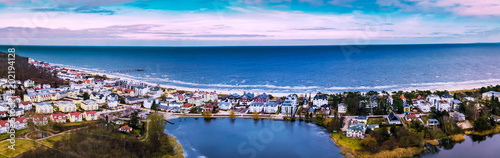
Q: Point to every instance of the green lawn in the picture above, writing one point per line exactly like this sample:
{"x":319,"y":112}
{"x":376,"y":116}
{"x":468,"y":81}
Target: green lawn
{"x":52,"y":140}
{"x":21,"y":146}
{"x":78,"y":123}
{"x":376,"y":120}
{"x":18,"y":134}
{"x":346,"y":141}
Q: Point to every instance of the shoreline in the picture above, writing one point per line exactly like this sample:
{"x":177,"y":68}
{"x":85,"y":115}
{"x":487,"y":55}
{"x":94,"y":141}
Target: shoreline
{"x":449,"y":86}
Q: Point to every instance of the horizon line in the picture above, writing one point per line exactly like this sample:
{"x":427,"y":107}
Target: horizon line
{"x":296,"y":45}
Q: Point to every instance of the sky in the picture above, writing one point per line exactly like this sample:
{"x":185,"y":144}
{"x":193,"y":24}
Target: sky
{"x":247,"y":22}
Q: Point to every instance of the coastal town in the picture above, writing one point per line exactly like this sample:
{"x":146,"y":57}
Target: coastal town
{"x":359,"y":117}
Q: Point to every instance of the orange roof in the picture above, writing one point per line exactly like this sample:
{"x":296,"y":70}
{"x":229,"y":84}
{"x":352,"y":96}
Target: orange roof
{"x":126,"y":127}
{"x":402,"y":97}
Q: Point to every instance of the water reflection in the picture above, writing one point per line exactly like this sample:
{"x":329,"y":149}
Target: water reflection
{"x":472,"y":146}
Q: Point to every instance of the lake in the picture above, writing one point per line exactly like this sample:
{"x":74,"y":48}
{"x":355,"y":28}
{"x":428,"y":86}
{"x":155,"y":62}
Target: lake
{"x":472,"y":146}
{"x":247,"y":138}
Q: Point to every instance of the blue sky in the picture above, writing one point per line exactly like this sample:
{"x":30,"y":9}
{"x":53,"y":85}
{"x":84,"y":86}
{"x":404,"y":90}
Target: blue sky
{"x":247,"y":22}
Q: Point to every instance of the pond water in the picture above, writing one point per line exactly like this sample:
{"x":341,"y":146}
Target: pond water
{"x":471,"y":147}
{"x":247,"y":138}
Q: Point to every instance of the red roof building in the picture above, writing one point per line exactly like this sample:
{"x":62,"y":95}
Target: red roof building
{"x":125,"y":128}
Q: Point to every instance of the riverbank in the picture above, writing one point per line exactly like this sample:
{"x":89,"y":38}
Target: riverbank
{"x":350,"y":148}
{"x":495,"y":130}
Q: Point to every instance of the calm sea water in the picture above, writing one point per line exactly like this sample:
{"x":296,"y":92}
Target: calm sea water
{"x":246,"y":138}
{"x":290,"y":68}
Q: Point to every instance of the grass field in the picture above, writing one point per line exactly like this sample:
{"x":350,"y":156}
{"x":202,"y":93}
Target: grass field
{"x":52,"y":140}
{"x":376,"y":120}
{"x":346,"y":141}
{"x":21,"y":146}
{"x":18,"y":134}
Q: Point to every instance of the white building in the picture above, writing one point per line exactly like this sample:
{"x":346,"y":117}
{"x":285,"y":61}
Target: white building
{"x":320,"y":99}
{"x":487,"y":95}
{"x":290,"y":104}
{"x":342,"y":108}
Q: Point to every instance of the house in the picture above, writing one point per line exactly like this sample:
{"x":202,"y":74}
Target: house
{"x":246,"y":98}
{"x":65,"y":106}
{"x":290,"y":104}
{"x":443,"y":105}
{"x":19,"y":123}
{"x":424,"y":106}
{"x":4,"y":126}
{"x":29,"y":83}
{"x":410,"y":117}
{"x":186,"y":107}
{"x":133,"y":100}
{"x":88,"y":105}
{"x":225,"y":105}
{"x":112,"y":104}
{"x":433,"y":99}
{"x":99,"y":98}
{"x":208,"y":107}
{"x":18,"y":112}
{"x":256,"y":107}
{"x":40,"y":120}
{"x":432,"y":122}
{"x":148,"y":103}
{"x":125,"y":128}
{"x":488,"y":95}
{"x":456,"y":104}
{"x":447,"y":97}
{"x":271,"y":107}
{"x":90,"y":115}
{"x":261,"y":98}
{"x":459,"y":117}
{"x":75,"y":117}
{"x":58,"y":117}
{"x":44,"y":108}
{"x":406,"y":108}
{"x":356,"y":130}
{"x":26,"y":105}
{"x":362,"y":119}
{"x":320,"y":99}
{"x":3,"y":114}
{"x":342,"y":108}
{"x":469,"y":98}
{"x":393,"y":119}
{"x":234,"y":98}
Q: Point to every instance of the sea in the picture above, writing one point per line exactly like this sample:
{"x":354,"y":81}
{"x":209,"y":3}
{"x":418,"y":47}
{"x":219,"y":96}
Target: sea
{"x":288,"y":69}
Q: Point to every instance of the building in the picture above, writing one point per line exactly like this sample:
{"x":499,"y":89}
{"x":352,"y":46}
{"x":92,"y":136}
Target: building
{"x":406,"y":108}
{"x":45,"y":108}
{"x":271,"y":107}
{"x":90,"y":115}
{"x":125,"y":128}
{"x":225,"y":105}
{"x":75,"y":117}
{"x":362,"y":119}
{"x":148,"y":103}
{"x":488,"y":95}
{"x":88,"y":105}
{"x":356,"y":130}
{"x":432,"y":122}
{"x":433,"y":99}
{"x":40,"y":120}
{"x":320,"y":99}
{"x":393,"y":119}
{"x":342,"y":108}
{"x":26,"y":105}
{"x":58,"y":117}
{"x":4,"y":126}
{"x":65,"y":106}
{"x":19,"y":123}
{"x":256,"y":107}
{"x":290,"y":104}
